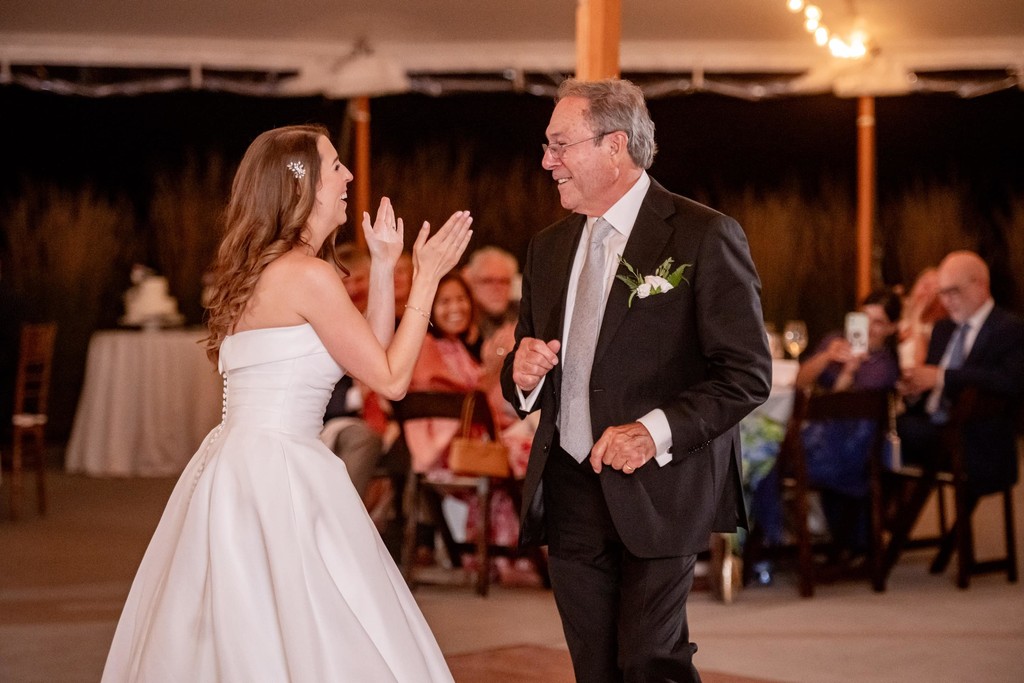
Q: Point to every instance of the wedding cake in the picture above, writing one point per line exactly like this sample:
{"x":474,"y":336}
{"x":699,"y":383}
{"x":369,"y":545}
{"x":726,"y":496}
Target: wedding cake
{"x":149,"y":303}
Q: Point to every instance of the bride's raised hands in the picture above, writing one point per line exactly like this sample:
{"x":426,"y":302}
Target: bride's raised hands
{"x":432,"y":257}
{"x":385,"y":237}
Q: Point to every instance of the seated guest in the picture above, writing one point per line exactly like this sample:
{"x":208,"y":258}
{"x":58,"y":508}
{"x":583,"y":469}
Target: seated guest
{"x":446,"y":364}
{"x":403,"y":282}
{"x":837,"y":450}
{"x":491,"y":273}
{"x":980,"y":345}
{"x":922,"y":308}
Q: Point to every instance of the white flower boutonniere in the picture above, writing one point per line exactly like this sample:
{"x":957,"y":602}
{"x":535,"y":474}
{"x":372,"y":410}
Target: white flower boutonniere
{"x":663,"y":280}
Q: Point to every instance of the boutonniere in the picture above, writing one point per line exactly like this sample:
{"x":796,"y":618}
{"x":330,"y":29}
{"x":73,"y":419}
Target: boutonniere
{"x":663,"y":280}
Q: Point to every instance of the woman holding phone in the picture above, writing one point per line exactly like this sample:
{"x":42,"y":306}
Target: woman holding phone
{"x":837,"y":450}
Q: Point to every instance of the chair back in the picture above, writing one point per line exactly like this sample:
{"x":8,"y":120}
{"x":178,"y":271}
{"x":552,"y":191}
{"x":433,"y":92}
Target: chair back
{"x":35,"y":358}
{"x":419,"y":487}
{"x":872,"y":405}
{"x":31,"y":397}
{"x":418,"y":405}
{"x":843,"y":405}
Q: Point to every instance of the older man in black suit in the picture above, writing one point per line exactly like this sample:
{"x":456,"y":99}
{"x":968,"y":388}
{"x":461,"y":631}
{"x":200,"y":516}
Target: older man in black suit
{"x":636,"y":459}
{"x":980,"y":345}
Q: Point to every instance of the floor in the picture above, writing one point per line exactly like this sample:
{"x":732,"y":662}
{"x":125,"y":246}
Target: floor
{"x":63,"y":579}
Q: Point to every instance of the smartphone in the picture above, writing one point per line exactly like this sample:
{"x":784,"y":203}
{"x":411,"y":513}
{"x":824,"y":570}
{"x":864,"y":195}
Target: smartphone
{"x":857,"y":332}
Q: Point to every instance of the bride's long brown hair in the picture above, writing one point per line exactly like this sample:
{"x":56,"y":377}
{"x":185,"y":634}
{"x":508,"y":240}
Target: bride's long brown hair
{"x":264,"y":218}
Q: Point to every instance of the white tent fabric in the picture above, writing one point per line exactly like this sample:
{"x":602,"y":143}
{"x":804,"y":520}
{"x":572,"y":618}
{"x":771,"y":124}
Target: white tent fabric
{"x":343,"y":47}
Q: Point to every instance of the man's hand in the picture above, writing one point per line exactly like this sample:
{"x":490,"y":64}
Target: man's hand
{"x":919,"y":380}
{"x":534,"y":359}
{"x":624,"y":447}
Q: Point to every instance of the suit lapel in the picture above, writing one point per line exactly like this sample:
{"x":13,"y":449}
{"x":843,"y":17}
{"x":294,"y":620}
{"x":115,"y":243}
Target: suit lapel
{"x":984,"y":335}
{"x":646,"y":243}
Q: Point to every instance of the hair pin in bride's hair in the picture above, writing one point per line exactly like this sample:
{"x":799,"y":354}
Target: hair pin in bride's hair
{"x":298,"y":169}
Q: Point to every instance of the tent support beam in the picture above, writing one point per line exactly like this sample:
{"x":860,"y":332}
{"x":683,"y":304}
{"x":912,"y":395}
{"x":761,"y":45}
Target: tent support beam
{"x":361,"y":131}
{"x":598,"y":34}
{"x":865,"y":193}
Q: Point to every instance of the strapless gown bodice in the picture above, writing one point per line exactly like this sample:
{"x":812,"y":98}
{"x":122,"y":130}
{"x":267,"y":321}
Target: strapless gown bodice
{"x":278,"y":379}
{"x":265,"y":565}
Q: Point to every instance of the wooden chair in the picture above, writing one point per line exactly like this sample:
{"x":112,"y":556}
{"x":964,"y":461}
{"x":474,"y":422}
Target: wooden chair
{"x":919,"y":482}
{"x":420,"y":489}
{"x":31,"y":395}
{"x":853,"y":405}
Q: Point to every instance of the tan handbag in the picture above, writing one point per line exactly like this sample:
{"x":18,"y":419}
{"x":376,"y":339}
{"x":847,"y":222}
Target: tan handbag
{"x":474,"y":455}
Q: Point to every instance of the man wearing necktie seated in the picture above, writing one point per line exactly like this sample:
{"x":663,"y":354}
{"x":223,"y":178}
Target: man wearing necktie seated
{"x":641,"y":383}
{"x":980,"y":345}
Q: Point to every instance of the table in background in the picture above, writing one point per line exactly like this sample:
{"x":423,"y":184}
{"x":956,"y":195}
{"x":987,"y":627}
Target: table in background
{"x":149,"y":398}
{"x":761,"y":434}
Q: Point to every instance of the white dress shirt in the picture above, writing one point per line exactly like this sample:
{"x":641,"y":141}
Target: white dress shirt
{"x":622,"y":216}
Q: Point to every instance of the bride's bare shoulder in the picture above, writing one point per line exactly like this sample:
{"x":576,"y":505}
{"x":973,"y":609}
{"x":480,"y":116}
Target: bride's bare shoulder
{"x":295,"y":264}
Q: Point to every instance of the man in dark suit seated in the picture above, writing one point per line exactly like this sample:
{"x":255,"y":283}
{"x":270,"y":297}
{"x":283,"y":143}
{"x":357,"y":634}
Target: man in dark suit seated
{"x":980,"y":345}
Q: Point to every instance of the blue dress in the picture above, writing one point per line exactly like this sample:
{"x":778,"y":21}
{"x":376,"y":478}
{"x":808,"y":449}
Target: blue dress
{"x":837,"y":450}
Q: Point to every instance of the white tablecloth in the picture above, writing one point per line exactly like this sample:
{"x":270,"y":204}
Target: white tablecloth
{"x":148,"y":400}
{"x":779,"y":405}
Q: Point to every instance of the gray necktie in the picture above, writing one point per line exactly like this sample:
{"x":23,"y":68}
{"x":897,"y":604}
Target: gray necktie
{"x":956,"y":359}
{"x":574,"y":426}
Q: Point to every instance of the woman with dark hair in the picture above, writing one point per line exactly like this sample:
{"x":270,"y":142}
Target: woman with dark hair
{"x":265,"y":565}
{"x":448,"y":363}
{"x":837,"y":450}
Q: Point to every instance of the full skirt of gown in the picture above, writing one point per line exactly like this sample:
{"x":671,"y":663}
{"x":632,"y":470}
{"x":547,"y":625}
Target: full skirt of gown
{"x":265,"y":565}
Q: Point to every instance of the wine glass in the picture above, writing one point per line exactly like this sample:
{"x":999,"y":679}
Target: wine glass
{"x":794,"y":336}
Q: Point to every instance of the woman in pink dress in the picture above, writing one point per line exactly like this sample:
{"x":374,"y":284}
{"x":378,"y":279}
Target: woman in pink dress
{"x":447,"y":363}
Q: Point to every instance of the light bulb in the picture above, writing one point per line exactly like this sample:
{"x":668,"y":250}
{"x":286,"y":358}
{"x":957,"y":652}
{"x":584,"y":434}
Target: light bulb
{"x":838,"y":48}
{"x":821,"y":36}
{"x":813,"y":12}
{"x":795,"y":5}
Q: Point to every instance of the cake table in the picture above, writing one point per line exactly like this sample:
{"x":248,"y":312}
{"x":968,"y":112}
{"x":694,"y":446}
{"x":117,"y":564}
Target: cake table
{"x":149,"y":398}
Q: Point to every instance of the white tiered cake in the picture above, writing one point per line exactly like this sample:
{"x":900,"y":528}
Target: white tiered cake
{"x":148,"y":303}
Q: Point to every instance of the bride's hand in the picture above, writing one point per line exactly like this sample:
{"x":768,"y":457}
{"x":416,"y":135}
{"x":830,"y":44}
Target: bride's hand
{"x":386,"y":236}
{"x":437,"y":255}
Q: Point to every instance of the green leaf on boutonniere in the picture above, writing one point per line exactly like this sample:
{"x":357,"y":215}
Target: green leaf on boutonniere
{"x":663,"y":280}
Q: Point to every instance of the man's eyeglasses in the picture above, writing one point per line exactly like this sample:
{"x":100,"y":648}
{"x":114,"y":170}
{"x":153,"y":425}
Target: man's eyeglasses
{"x":557,"y":149}
{"x":495,"y":281}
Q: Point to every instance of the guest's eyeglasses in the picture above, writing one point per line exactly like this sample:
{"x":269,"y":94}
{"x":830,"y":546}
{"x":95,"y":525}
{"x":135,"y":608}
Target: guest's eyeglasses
{"x":955,"y":290}
{"x":557,"y":149}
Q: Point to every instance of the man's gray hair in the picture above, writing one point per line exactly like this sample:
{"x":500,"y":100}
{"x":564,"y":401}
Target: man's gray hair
{"x":616,"y":104}
{"x":490,"y":250}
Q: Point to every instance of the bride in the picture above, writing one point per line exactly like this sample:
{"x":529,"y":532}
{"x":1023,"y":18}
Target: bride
{"x":265,"y":565}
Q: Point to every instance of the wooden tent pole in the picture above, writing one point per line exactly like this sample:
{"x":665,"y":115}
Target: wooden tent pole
{"x":865,"y":193}
{"x":360,"y":109}
{"x":598,"y":33}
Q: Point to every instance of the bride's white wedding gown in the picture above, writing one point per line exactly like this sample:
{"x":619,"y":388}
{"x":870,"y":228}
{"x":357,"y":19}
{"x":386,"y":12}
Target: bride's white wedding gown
{"x":265,"y":565}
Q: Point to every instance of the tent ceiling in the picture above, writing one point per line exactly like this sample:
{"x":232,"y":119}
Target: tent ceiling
{"x":317,"y":38}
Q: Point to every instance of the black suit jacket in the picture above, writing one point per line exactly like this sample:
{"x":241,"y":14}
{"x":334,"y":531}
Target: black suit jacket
{"x":995,"y":365}
{"x":699,"y":352}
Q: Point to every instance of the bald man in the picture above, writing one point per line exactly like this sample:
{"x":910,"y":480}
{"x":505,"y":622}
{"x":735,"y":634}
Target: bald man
{"x":980,"y":345}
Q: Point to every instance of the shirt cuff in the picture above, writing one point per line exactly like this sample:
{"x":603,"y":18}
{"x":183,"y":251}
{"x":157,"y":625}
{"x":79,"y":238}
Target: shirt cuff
{"x":657,"y":424}
{"x":526,"y":401}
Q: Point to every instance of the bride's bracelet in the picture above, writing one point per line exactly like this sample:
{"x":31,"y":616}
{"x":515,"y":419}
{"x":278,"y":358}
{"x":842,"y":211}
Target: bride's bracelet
{"x":421,"y":312}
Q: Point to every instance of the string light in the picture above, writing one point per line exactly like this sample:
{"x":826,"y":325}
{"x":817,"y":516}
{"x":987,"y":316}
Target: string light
{"x":853,"y":47}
